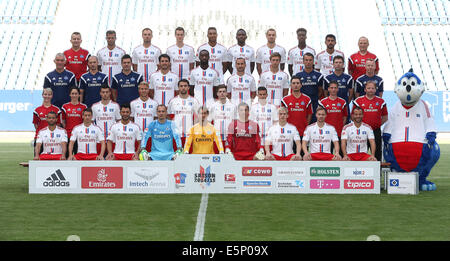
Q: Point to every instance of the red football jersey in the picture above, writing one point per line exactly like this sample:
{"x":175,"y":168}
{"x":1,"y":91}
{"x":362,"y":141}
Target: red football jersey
{"x":76,"y":61}
{"x":72,"y":115}
{"x":357,"y":63}
{"x":299,"y":109}
{"x":336,"y":112}
{"x":373,"y":108}
{"x":40,"y":115}
{"x":243,"y":137}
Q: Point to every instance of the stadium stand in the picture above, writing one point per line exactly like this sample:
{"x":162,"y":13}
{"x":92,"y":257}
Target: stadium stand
{"x":416,"y":27}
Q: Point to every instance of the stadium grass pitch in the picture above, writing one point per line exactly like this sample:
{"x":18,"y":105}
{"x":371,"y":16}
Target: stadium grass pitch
{"x":230,"y":217}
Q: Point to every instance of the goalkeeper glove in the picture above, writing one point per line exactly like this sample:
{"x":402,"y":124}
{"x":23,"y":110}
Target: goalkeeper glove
{"x":260,"y":155}
{"x":143,"y":155}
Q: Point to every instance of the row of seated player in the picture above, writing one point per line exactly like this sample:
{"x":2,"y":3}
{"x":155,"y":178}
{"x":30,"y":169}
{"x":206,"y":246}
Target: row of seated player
{"x":145,"y":62}
{"x":124,"y":133}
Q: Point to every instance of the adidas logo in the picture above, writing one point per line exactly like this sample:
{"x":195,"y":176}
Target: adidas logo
{"x":57,"y":179}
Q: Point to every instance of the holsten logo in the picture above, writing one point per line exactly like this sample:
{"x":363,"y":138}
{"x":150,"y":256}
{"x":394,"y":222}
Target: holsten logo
{"x":324,"y":184}
{"x":257,"y":171}
{"x":358,"y":184}
{"x":101,"y":177}
{"x":325,"y":171}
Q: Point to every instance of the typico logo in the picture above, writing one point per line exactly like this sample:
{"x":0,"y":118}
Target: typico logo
{"x":257,"y":171}
{"x":358,"y":184}
{"x":101,"y":177}
{"x":325,"y":171}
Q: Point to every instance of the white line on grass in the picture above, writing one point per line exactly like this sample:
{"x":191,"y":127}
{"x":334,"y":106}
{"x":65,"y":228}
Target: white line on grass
{"x":200,"y":227}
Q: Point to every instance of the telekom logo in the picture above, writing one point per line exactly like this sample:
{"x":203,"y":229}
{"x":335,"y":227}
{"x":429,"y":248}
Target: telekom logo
{"x":324,"y":184}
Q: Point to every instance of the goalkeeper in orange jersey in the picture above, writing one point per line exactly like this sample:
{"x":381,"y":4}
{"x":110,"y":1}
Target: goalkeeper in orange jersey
{"x":202,"y":136}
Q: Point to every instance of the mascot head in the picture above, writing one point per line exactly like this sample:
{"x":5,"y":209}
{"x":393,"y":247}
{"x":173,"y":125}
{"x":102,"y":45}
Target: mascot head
{"x":409,"y":89}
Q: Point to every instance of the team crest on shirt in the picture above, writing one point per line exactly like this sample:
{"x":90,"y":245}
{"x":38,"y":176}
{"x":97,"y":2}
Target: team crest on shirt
{"x":133,"y":79}
{"x":327,"y":132}
{"x":339,"y":104}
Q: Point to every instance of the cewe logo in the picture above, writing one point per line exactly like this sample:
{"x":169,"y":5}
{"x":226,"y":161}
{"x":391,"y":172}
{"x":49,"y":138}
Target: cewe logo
{"x":257,"y":171}
{"x":102,"y":177}
{"x":358,"y":184}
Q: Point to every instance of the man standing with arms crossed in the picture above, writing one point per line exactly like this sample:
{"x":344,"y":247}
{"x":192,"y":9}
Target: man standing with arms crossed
{"x":163,"y":83}
{"x":181,"y":55}
{"x":145,"y":56}
{"x":125,"y":84}
{"x":222,"y":112}
{"x":275,"y":81}
{"x":241,"y":87}
{"x":76,"y":56}
{"x":264,"y":52}
{"x":204,"y":80}
{"x":241,"y":49}
{"x":324,"y":59}
{"x":109,"y":57}
{"x":295,"y":55}
{"x":91,"y":83}
{"x":217,"y":52}
{"x":183,"y":110}
{"x":357,"y":61}
{"x":299,"y":107}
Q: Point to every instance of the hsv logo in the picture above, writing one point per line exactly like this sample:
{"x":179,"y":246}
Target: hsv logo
{"x":358,"y":184}
{"x":257,"y":171}
{"x":101,"y":177}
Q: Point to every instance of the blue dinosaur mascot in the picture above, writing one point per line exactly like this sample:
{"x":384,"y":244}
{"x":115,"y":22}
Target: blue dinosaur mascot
{"x":410,"y":133}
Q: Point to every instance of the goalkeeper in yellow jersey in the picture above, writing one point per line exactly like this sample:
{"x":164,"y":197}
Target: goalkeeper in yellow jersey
{"x":202,"y":136}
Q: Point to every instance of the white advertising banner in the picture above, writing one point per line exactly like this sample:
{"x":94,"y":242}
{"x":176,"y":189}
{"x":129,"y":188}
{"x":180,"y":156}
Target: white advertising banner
{"x":205,"y":174}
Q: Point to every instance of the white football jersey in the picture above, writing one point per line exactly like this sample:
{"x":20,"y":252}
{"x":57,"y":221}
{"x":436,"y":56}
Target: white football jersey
{"x":282,"y":139}
{"x":204,"y":81}
{"x":183,"y":111}
{"x":105,"y":115}
{"x":180,"y":58}
{"x":222,"y":115}
{"x":263,"y":56}
{"x":146,"y":60}
{"x":51,"y":140}
{"x":295,"y":58}
{"x":246,"y":52}
{"x":217,"y":54}
{"x":265,"y":116}
{"x":240,"y":88}
{"x":275,"y":84}
{"x":87,"y":138}
{"x":410,"y":125}
{"x":125,"y":136}
{"x":143,"y":112}
{"x":320,"y":139}
{"x":324,"y":61}
{"x":164,"y":86}
{"x":357,"y":137}
{"x":110,"y":61}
